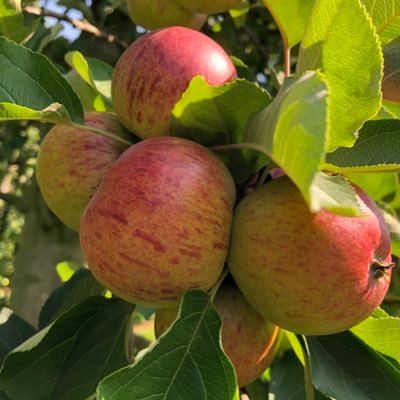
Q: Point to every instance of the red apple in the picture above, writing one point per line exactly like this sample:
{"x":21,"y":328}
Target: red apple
{"x":160,"y":222}
{"x":154,"y":72}
{"x":162,"y":13}
{"x":249,"y":341}
{"x":208,"y":6}
{"x":72,"y":162}
{"x":312,"y":274}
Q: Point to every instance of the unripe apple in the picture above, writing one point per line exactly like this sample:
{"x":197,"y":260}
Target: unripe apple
{"x":208,"y":6}
{"x":249,"y":341}
{"x":163,"y":13}
{"x":72,"y":161}
{"x":160,"y":222}
{"x":154,"y":72}
{"x":312,"y":274}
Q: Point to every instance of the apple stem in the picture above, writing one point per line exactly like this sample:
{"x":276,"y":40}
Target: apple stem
{"x":215,"y":288}
{"x":103,"y":133}
{"x":309,"y":387}
{"x":287,"y":60}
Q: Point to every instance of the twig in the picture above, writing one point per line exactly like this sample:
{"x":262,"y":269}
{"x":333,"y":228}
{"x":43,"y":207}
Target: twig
{"x":15,"y":201}
{"x":82,"y":25}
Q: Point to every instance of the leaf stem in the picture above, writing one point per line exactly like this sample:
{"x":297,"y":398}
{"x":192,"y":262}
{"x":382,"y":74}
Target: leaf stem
{"x":309,"y":387}
{"x":103,"y":133}
{"x":287,"y":60}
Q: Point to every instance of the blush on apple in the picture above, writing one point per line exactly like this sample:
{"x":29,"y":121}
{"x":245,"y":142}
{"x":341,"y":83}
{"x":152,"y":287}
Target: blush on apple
{"x":159,"y":224}
{"x":312,"y":274}
{"x":154,"y":72}
{"x":72,"y":161}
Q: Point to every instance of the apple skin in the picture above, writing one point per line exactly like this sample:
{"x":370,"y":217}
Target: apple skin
{"x":208,"y":6}
{"x":154,"y":72}
{"x":163,"y":13}
{"x":160,"y":222}
{"x":249,"y":341}
{"x":313,"y":274}
{"x":72,"y":161}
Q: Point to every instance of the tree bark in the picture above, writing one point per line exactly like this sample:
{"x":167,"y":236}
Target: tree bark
{"x":43,"y":243}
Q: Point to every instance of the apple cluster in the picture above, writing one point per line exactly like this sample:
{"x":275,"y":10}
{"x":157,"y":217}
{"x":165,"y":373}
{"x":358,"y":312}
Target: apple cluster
{"x":160,"y":216}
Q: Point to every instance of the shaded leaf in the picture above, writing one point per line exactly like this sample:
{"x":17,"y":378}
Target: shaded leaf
{"x":187,"y":362}
{"x":66,"y":360}
{"x":344,"y":368}
{"x":77,"y":289}
{"x":377,"y":149}
{"x":32,"y":88}
{"x":13,"y":331}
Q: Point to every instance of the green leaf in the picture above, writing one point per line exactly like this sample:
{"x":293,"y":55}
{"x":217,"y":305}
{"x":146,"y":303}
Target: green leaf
{"x":13,"y":24}
{"x":90,"y":99}
{"x":351,"y":60}
{"x":217,"y":115}
{"x":32,"y":88}
{"x":43,"y":36}
{"x":13,"y":331}
{"x":95,"y":73}
{"x":187,"y":361}
{"x":287,"y":379}
{"x":292,"y":130}
{"x":77,"y":289}
{"x":391,"y":107}
{"x":344,"y":368}
{"x":381,"y":334}
{"x":376,"y":149}
{"x":66,"y":360}
{"x":385,"y":15}
{"x":291,"y":17}
{"x":376,"y":185}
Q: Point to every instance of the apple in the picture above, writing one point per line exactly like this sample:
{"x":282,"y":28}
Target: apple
{"x":391,"y":71}
{"x":249,"y":341}
{"x":154,"y":72}
{"x":208,"y":6}
{"x":72,"y":161}
{"x":159,"y":224}
{"x":313,"y":274}
{"x":162,"y":13}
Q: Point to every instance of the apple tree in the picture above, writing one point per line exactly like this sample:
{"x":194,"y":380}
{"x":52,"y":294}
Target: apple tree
{"x":200,"y":199}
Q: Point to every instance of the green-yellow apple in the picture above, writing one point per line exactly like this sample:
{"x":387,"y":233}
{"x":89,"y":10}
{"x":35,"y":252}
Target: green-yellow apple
{"x":312,"y":274}
{"x":208,"y":6}
{"x":248,"y":339}
{"x":159,"y":224}
{"x":163,"y":13}
{"x":391,"y":72}
{"x":154,"y":72}
{"x":72,"y":162}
